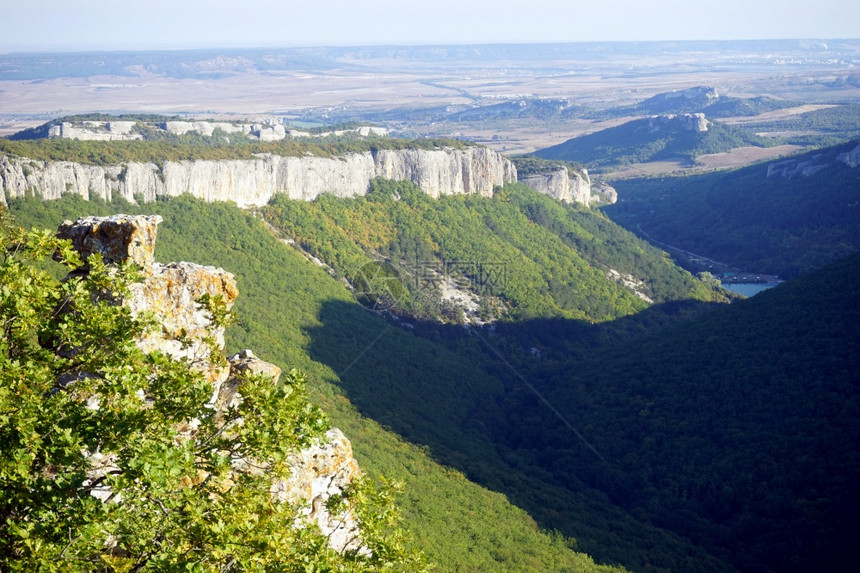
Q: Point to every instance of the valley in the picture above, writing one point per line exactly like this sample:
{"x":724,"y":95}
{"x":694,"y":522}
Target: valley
{"x":502,"y":271}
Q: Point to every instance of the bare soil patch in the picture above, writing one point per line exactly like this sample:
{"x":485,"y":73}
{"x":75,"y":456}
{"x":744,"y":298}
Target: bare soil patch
{"x":745,"y":155}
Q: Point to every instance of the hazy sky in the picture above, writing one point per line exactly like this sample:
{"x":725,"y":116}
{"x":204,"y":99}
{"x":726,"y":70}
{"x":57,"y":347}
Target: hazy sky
{"x":133,"y":24}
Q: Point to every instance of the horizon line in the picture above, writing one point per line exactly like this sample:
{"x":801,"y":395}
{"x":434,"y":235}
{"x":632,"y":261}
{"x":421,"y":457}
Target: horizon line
{"x":251,"y":47}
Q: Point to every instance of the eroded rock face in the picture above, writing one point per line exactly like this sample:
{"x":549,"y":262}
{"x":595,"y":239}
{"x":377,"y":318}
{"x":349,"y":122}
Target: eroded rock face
{"x":808,"y":165}
{"x":605,"y":192}
{"x":562,"y":185}
{"x":116,"y":238}
{"x":320,"y":472}
{"x":688,"y":121}
{"x":850,"y":158}
{"x":570,"y":186}
{"x":171,"y":294}
{"x":240,"y":364}
{"x":95,"y":131}
{"x":253,"y":182}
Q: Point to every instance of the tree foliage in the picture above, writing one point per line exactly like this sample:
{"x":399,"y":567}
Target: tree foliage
{"x":403,"y":403}
{"x":112,"y":459}
{"x":524,"y":253}
{"x":195,"y":147}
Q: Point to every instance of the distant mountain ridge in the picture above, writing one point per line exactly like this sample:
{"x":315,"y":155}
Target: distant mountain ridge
{"x":215,"y":63}
{"x":700,"y":99}
{"x":680,"y":137}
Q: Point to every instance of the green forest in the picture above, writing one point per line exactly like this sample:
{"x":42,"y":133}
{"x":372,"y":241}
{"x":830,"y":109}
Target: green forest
{"x":458,"y":524}
{"x":685,"y":435}
{"x":830,"y":125}
{"x":197,"y":147}
{"x":529,"y":255}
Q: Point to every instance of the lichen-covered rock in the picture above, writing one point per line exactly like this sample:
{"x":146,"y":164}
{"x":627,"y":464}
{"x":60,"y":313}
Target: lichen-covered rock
{"x":171,"y":294}
{"x":117,"y":238}
{"x":319,"y":472}
{"x":243,"y":363}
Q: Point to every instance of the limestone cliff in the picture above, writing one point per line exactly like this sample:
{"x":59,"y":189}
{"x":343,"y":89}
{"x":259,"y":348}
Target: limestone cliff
{"x":570,"y":186}
{"x":95,"y":131}
{"x":561,"y":184}
{"x":445,"y":171}
{"x":170,"y":294}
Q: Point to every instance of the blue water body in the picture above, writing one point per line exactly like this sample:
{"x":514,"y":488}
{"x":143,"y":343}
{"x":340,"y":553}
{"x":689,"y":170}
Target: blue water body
{"x":748,"y":289}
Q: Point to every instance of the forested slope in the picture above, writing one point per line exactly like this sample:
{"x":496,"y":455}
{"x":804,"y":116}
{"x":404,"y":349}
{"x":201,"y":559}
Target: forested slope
{"x":432,"y":384}
{"x":680,"y":436}
{"x":458,"y":524}
{"x":739,"y":429}
{"x":522,"y":254}
{"x":651,"y":139}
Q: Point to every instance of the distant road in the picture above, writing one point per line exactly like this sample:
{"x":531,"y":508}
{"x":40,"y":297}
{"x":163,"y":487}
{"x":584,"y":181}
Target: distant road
{"x":680,"y":250}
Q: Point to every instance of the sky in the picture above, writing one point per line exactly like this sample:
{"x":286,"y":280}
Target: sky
{"x":48,"y":25}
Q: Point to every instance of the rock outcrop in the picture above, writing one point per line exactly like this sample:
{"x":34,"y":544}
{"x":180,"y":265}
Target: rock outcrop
{"x":95,"y":131}
{"x":570,"y":186}
{"x":170,"y":294}
{"x":444,"y":171}
{"x":850,"y":158}
{"x":561,"y":184}
{"x":688,"y":121}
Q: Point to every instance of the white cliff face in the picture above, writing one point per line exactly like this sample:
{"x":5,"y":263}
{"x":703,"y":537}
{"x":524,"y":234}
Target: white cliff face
{"x":95,"y":131}
{"x":268,"y":130}
{"x":560,"y":184}
{"x":570,"y":186}
{"x":474,"y":171}
{"x":253,"y":182}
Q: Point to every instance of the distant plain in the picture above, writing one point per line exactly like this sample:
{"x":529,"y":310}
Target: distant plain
{"x":412,"y":89}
